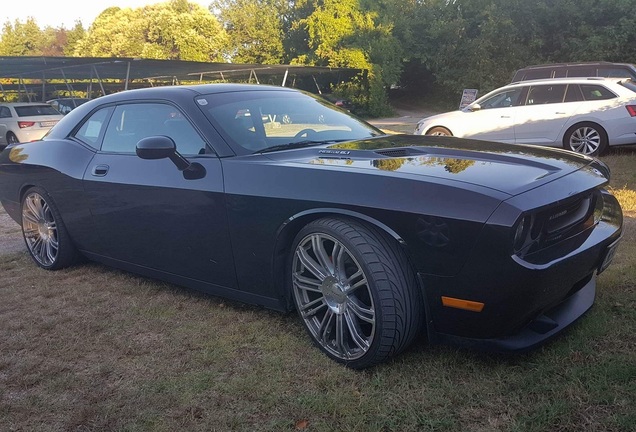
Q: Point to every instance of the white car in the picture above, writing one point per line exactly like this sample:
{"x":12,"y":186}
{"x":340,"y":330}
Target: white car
{"x":24,"y":122}
{"x":585,"y":115}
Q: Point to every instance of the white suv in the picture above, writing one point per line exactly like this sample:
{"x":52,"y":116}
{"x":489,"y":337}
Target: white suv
{"x":585,"y":115}
{"x":24,"y":122}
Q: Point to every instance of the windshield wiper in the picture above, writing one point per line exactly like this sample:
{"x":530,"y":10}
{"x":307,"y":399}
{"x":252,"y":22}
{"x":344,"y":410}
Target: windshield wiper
{"x":299,"y":144}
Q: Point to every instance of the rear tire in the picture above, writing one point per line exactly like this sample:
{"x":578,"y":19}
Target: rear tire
{"x":586,"y":138}
{"x":44,"y":232}
{"x":354,"y":291}
{"x":12,"y":139}
{"x":439,"y":131}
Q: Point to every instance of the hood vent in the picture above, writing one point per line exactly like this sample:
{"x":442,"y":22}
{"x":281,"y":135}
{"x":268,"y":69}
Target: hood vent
{"x":399,"y":152}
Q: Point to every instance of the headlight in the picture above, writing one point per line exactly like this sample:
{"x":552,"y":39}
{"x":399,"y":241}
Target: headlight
{"x":598,"y":208}
{"x":522,"y":233}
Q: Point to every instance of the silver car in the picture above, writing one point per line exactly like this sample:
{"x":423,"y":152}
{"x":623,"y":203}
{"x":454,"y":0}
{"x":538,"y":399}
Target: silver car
{"x":24,"y":122}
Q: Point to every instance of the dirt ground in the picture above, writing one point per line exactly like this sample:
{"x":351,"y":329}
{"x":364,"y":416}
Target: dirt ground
{"x":10,"y":234}
{"x":404,"y":121}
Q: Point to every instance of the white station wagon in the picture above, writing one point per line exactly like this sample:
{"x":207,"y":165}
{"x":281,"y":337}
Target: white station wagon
{"x":585,"y":115}
{"x":24,"y":122}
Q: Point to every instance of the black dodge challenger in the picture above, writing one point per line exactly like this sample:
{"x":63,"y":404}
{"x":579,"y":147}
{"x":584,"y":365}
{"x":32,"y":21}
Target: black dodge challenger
{"x":270,"y":196}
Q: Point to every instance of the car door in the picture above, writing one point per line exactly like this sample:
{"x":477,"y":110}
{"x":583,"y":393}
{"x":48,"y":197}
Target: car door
{"x":493,"y":120}
{"x":547,"y":109}
{"x":146,"y":212}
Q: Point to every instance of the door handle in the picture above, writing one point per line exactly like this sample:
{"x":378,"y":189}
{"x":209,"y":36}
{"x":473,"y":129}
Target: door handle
{"x":505,"y":116}
{"x":100,"y":170}
{"x":559,"y":112}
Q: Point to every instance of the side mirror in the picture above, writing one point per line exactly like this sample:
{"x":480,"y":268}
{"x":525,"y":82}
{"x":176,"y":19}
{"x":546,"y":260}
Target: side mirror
{"x":162,"y":147}
{"x":474,"y":107}
{"x":156,"y":147}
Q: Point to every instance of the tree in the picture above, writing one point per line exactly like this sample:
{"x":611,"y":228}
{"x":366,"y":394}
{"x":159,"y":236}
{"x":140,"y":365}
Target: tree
{"x":175,"y":30}
{"x":22,"y":39}
{"x":254,"y":28}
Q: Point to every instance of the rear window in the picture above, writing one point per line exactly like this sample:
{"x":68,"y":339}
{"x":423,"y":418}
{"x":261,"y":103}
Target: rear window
{"x":596,"y":92}
{"x":35,"y":110}
{"x":615,"y":73}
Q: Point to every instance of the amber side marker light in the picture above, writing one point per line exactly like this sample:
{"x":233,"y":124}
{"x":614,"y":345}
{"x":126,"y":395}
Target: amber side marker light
{"x":468,"y":305}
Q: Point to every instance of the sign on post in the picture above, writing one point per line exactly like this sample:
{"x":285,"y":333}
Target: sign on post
{"x":468,"y":97}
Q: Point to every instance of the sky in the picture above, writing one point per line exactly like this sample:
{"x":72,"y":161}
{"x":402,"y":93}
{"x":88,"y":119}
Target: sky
{"x":58,"y":13}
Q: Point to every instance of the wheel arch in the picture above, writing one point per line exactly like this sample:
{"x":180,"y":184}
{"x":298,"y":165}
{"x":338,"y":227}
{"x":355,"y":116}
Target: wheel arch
{"x":289,"y":229}
{"x":579,"y":123}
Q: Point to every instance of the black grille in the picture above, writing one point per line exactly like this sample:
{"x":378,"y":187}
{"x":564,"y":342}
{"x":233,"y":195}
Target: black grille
{"x":560,"y":222}
{"x":566,"y":217}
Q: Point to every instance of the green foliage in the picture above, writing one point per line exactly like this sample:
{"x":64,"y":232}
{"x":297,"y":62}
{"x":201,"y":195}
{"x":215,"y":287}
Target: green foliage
{"x":175,"y":30}
{"x":254,"y":29}
{"x":436,"y":46}
{"x":22,"y":39}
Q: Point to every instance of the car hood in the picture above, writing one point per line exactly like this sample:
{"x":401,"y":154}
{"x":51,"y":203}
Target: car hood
{"x":511,"y":169}
{"x":450,"y":115}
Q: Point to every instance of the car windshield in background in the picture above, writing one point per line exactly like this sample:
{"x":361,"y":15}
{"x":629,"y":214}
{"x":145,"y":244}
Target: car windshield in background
{"x":260,"y":120}
{"x":35,"y":110}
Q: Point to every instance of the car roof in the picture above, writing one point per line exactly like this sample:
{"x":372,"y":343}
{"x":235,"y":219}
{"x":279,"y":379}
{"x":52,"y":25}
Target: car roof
{"x":552,"y":65}
{"x":196,"y":89}
{"x":19,"y":104}
{"x":566,"y":80}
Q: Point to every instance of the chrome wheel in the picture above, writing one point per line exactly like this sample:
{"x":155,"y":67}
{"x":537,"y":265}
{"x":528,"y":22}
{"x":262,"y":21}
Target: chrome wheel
{"x":40,"y":229}
{"x":586,"y":138}
{"x":333,"y":296}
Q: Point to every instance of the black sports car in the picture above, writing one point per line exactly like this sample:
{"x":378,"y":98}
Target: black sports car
{"x":371,"y":238}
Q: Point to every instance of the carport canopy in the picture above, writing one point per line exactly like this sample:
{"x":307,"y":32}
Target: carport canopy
{"x":41,"y":75}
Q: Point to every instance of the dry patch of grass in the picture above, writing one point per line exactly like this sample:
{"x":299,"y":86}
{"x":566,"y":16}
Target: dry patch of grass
{"x":90,"y":348}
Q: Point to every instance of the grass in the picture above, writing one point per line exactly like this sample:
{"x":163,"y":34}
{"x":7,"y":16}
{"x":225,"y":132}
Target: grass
{"x":91,"y":349}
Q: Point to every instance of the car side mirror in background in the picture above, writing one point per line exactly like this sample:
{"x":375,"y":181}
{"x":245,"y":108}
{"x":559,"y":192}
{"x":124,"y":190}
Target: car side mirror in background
{"x":161,"y":147}
{"x":474,"y":107}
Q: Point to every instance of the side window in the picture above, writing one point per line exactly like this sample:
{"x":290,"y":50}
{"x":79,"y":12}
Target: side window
{"x":546,"y":94}
{"x":133,"y":122}
{"x":573,"y":94}
{"x":93,"y":128}
{"x":596,"y":92}
{"x":538,"y":74}
{"x":4,"y":112}
{"x":582,"y":71}
{"x":502,"y":100}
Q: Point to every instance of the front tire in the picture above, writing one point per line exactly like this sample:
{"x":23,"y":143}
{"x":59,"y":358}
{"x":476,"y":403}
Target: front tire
{"x":586,"y":138}
{"x":439,"y":131}
{"x":354,"y":291}
{"x":44,"y":232}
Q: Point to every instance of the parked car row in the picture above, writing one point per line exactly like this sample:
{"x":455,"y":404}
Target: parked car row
{"x":30,"y":121}
{"x":584,"y":115}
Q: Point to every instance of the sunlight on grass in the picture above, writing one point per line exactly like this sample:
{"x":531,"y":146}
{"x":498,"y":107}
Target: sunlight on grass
{"x":626,"y":198}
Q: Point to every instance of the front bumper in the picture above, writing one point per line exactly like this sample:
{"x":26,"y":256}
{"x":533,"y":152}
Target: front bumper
{"x":526,"y":301}
{"x":538,"y":331}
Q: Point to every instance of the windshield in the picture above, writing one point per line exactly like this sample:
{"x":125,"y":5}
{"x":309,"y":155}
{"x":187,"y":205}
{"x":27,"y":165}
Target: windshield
{"x":256,"y":121}
{"x":35,"y":110}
